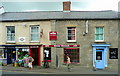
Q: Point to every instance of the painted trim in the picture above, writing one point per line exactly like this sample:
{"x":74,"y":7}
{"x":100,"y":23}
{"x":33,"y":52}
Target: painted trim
{"x":100,"y":45}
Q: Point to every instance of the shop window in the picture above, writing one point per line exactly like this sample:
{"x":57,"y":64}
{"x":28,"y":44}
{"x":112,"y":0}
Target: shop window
{"x":73,"y":53}
{"x":113,"y":53}
{"x":2,"y":54}
{"x":47,"y":53}
{"x":10,"y":33}
{"x":21,"y":52}
{"x":99,"y":34}
{"x":71,"y":34}
{"x":35,"y":35}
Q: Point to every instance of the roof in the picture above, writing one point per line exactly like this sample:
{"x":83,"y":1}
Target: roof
{"x":48,"y":15}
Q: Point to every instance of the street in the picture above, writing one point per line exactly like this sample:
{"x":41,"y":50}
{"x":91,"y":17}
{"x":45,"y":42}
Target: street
{"x":61,"y":70}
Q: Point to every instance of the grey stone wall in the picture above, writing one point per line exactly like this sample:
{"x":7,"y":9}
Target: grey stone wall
{"x":110,"y":36}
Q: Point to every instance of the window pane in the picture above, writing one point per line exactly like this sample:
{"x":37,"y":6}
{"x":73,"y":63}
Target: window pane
{"x":97,"y":30}
{"x":101,"y":30}
{"x":97,"y":37}
{"x":100,"y":37}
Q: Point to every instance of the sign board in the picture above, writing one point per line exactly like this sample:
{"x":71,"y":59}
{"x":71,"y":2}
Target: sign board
{"x":34,"y":46}
{"x":113,"y":53}
{"x":21,"y":39}
{"x":53,"y":35}
{"x":61,"y":46}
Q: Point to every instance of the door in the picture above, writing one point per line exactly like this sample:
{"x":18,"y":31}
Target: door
{"x":11,"y":55}
{"x":35,"y":55}
{"x":100,"y":59}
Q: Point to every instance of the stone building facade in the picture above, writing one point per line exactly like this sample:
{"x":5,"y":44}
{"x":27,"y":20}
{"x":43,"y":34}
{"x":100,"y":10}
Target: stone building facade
{"x":90,"y":38}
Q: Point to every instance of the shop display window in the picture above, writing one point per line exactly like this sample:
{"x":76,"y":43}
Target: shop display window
{"x":73,"y":53}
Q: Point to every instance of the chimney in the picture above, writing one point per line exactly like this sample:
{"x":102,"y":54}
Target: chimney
{"x":66,"y":6}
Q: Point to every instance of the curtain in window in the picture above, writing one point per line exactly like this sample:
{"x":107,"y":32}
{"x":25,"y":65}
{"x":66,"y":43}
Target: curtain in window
{"x":71,"y":33}
{"x":34,"y":33}
{"x":10,"y":33}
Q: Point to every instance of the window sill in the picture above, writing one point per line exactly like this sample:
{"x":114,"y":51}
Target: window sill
{"x":35,"y":41}
{"x":99,"y":41}
{"x":10,"y":42}
{"x":71,"y":41}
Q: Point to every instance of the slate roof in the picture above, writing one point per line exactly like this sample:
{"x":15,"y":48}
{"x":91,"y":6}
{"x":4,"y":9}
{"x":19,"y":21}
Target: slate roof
{"x":49,"y":15}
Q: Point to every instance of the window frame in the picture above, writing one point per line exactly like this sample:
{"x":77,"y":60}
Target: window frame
{"x":7,"y":36}
{"x":38,"y":33}
{"x":103,"y":34}
{"x":67,"y":35}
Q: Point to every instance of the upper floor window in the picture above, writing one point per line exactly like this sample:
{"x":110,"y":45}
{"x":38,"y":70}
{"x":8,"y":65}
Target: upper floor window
{"x":71,"y":34}
{"x":10,"y":33}
{"x":35,"y":33}
{"x":99,"y":33}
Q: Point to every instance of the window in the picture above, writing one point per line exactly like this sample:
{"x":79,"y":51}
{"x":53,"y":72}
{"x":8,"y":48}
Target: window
{"x":73,"y":53}
{"x":2,"y":54}
{"x":71,"y":34}
{"x":99,"y":34}
{"x":10,"y":33}
{"x":35,"y":33}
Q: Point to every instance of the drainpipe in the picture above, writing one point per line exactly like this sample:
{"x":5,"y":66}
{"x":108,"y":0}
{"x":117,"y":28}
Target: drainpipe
{"x":86,"y":28}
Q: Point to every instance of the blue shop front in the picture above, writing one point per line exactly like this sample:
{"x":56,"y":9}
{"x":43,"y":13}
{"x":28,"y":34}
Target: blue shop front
{"x":100,"y":55}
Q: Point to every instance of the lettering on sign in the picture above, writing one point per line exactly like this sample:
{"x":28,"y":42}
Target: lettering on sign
{"x":33,"y":46}
{"x":53,"y":35}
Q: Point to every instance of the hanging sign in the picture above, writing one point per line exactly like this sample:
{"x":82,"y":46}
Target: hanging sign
{"x":53,"y":35}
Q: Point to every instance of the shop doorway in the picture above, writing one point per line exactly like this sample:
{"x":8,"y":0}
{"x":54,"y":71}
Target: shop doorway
{"x":34,"y":53}
{"x":11,"y":55}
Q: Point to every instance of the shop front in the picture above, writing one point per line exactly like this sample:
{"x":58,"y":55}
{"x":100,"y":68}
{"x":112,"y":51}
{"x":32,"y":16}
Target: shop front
{"x":100,"y":52}
{"x":72,"y":51}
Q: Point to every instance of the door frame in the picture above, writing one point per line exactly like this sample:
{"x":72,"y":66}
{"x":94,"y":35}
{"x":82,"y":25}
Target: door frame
{"x":105,"y":51}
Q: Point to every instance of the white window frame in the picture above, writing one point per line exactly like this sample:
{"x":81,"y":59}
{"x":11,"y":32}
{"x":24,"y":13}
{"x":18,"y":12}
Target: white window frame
{"x":67,"y":35}
{"x":95,"y":34}
{"x":7,"y":37}
{"x":38,"y":32}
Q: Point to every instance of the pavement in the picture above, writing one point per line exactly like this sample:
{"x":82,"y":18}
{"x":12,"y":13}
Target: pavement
{"x":61,"y":70}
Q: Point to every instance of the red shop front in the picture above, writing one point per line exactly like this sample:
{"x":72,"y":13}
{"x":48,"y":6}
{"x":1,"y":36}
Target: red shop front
{"x":35,"y":53}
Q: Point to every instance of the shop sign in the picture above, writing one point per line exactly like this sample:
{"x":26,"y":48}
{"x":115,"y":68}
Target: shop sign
{"x":113,"y":53}
{"x":21,"y":39}
{"x":53,"y":35}
{"x":61,"y":45}
{"x":34,"y":46}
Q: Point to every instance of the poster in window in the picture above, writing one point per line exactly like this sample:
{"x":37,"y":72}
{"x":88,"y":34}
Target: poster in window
{"x":113,"y":53}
